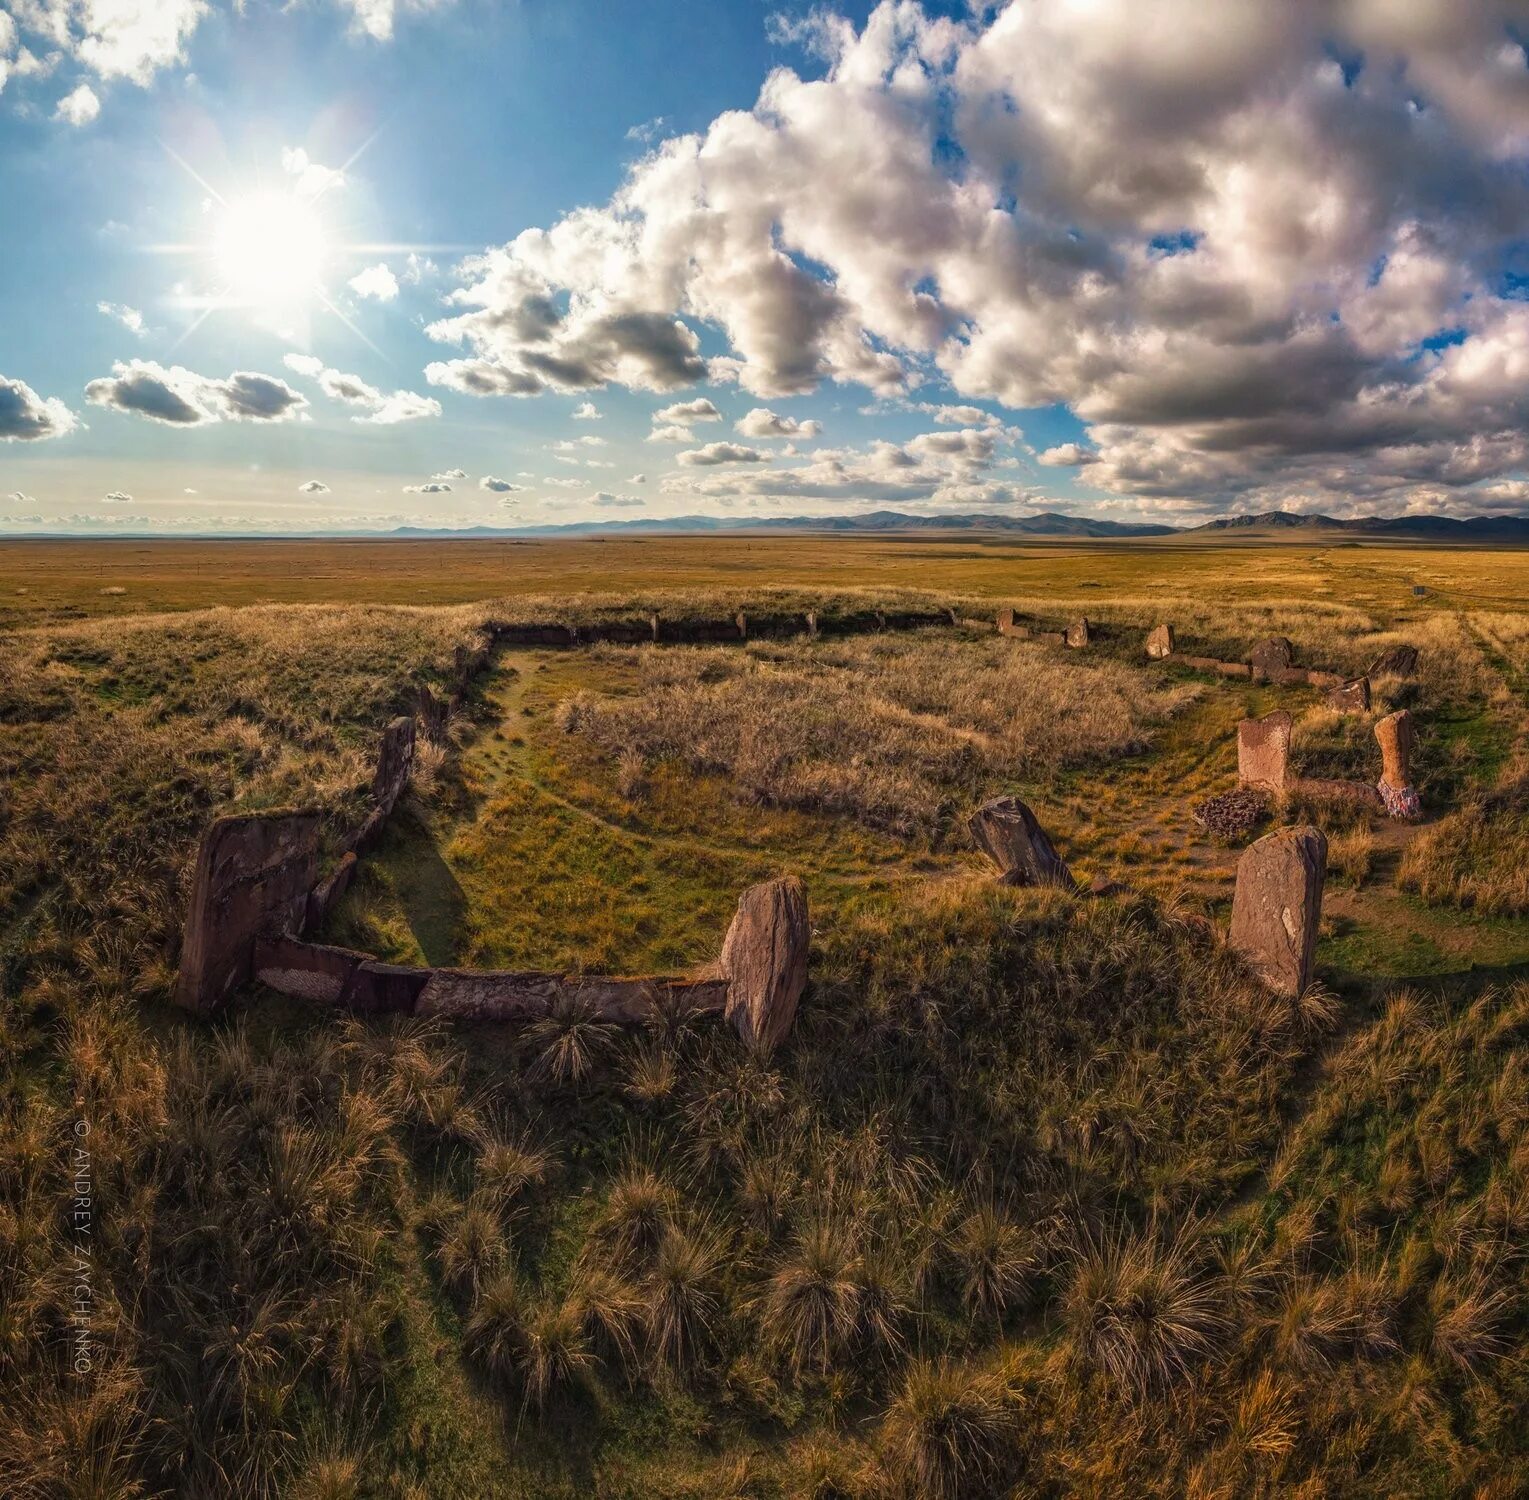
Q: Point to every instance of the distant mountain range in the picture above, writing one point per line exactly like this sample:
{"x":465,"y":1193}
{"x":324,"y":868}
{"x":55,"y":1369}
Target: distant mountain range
{"x":1498,"y":530}
{"x":1513,"y":529}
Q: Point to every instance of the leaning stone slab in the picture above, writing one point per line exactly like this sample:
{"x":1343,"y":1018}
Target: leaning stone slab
{"x":764,"y":960}
{"x":253,"y":874}
{"x":1077,"y":634}
{"x":1160,"y":642}
{"x":325,"y":896}
{"x":308,"y":971}
{"x":1270,"y":656}
{"x":1010,"y":835}
{"x":1263,"y":751}
{"x":395,"y":759}
{"x":1399,"y":661}
{"x":1352,"y":697}
{"x":1277,"y":906}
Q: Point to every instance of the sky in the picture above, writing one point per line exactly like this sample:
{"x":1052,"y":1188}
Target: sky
{"x":317,"y":265}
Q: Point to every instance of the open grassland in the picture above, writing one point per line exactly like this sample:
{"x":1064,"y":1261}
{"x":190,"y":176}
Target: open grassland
{"x":1044,"y":1196}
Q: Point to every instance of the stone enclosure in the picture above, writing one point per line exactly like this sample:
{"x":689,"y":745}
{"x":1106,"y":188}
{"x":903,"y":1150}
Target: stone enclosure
{"x":256,"y":892}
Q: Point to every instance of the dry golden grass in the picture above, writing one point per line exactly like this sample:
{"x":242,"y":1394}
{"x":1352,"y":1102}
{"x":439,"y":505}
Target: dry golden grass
{"x":897,"y":730}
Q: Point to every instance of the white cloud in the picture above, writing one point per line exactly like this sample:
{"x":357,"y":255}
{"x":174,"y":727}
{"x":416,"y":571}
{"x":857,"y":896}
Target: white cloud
{"x":1238,"y":263}
{"x":375,"y":18}
{"x":686,"y":413}
{"x":648,"y":131}
{"x":129,"y":317}
{"x":638,"y":479}
{"x":312,"y":179}
{"x":586,"y":411}
{"x":607,"y":501}
{"x":21,"y":499}
{"x":26,"y":417}
{"x":670,"y":434}
{"x":498,"y":486}
{"x":570,"y":445}
{"x":78,"y":107}
{"x":379,"y":408}
{"x":764,"y":423}
{"x":377,"y":282}
{"x":179,"y":397}
{"x":117,"y":497}
{"x":720,"y":453}
{"x":1065,"y":455}
{"x":313,"y":487}
{"x":451,"y":474}
{"x":432,"y":488}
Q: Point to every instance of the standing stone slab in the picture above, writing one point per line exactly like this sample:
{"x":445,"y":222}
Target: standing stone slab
{"x":764,"y":960}
{"x":253,"y":875}
{"x":1273,"y":655}
{"x":395,"y":759}
{"x":1395,"y":733}
{"x":1009,"y":834}
{"x":1077,"y":633}
{"x":1160,"y":642}
{"x":432,"y":715}
{"x":1352,"y":697}
{"x":1263,"y":751}
{"x":1277,"y":906}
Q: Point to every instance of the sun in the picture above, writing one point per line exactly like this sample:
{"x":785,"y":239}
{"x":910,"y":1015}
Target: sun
{"x":269,"y":250}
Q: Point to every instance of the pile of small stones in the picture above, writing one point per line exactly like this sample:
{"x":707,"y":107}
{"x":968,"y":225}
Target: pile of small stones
{"x":1232,"y":816}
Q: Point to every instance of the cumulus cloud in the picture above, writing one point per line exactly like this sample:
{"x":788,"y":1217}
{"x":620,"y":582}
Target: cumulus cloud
{"x":1251,"y":270}
{"x":1065,"y":455}
{"x":482,"y":377}
{"x":129,"y":317}
{"x":377,"y":282}
{"x":78,"y":107}
{"x":498,"y":486}
{"x":312,"y":179}
{"x":130,"y":39}
{"x":686,"y":413}
{"x":117,"y":497}
{"x":571,"y":445}
{"x":607,"y":501}
{"x":181,"y":398}
{"x":451,"y":474}
{"x":21,"y":499}
{"x":431,"y":488}
{"x":764,"y":423}
{"x":313,"y":487}
{"x":586,"y":411}
{"x":673,"y":433}
{"x":375,"y":18}
{"x":378,"y":407}
{"x":26,"y":417}
{"x":720,"y":453}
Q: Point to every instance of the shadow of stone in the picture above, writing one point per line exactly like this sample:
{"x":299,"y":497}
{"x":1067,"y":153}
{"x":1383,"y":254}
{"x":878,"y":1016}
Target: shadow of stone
{"x":433,"y":902}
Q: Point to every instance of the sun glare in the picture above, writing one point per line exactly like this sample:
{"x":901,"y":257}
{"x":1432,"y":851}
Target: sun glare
{"x":270,"y":251}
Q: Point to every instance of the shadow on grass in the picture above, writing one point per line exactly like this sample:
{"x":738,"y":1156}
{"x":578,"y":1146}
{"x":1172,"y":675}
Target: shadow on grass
{"x":433,"y":902}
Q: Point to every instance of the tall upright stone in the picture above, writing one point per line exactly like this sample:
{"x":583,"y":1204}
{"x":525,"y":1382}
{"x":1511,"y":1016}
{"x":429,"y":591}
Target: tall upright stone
{"x":764,"y":960}
{"x":1077,"y":634}
{"x":1009,"y":834}
{"x":1160,"y":642}
{"x":1396,"y":735}
{"x":432,"y":715}
{"x":253,"y":874}
{"x":1277,"y":906}
{"x":1263,"y":751}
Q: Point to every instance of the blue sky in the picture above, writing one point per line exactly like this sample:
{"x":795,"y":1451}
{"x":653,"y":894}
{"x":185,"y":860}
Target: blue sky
{"x":1075,"y":256}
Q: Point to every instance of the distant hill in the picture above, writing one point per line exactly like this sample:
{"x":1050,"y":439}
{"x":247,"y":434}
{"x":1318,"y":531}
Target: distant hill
{"x":1051,"y":523}
{"x":1432,"y":528}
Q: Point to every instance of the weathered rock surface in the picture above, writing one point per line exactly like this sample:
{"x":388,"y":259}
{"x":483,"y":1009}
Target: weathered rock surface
{"x":325,"y":896}
{"x":253,"y":874}
{"x":1399,"y":661}
{"x":1277,"y":906}
{"x":1324,"y":789}
{"x":1077,"y":634}
{"x":1009,"y":834}
{"x":1395,"y":734}
{"x":395,"y":759}
{"x":1160,"y":642}
{"x":764,"y":960}
{"x":1352,"y":697}
{"x":1273,"y":655}
{"x":1263,"y":751}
